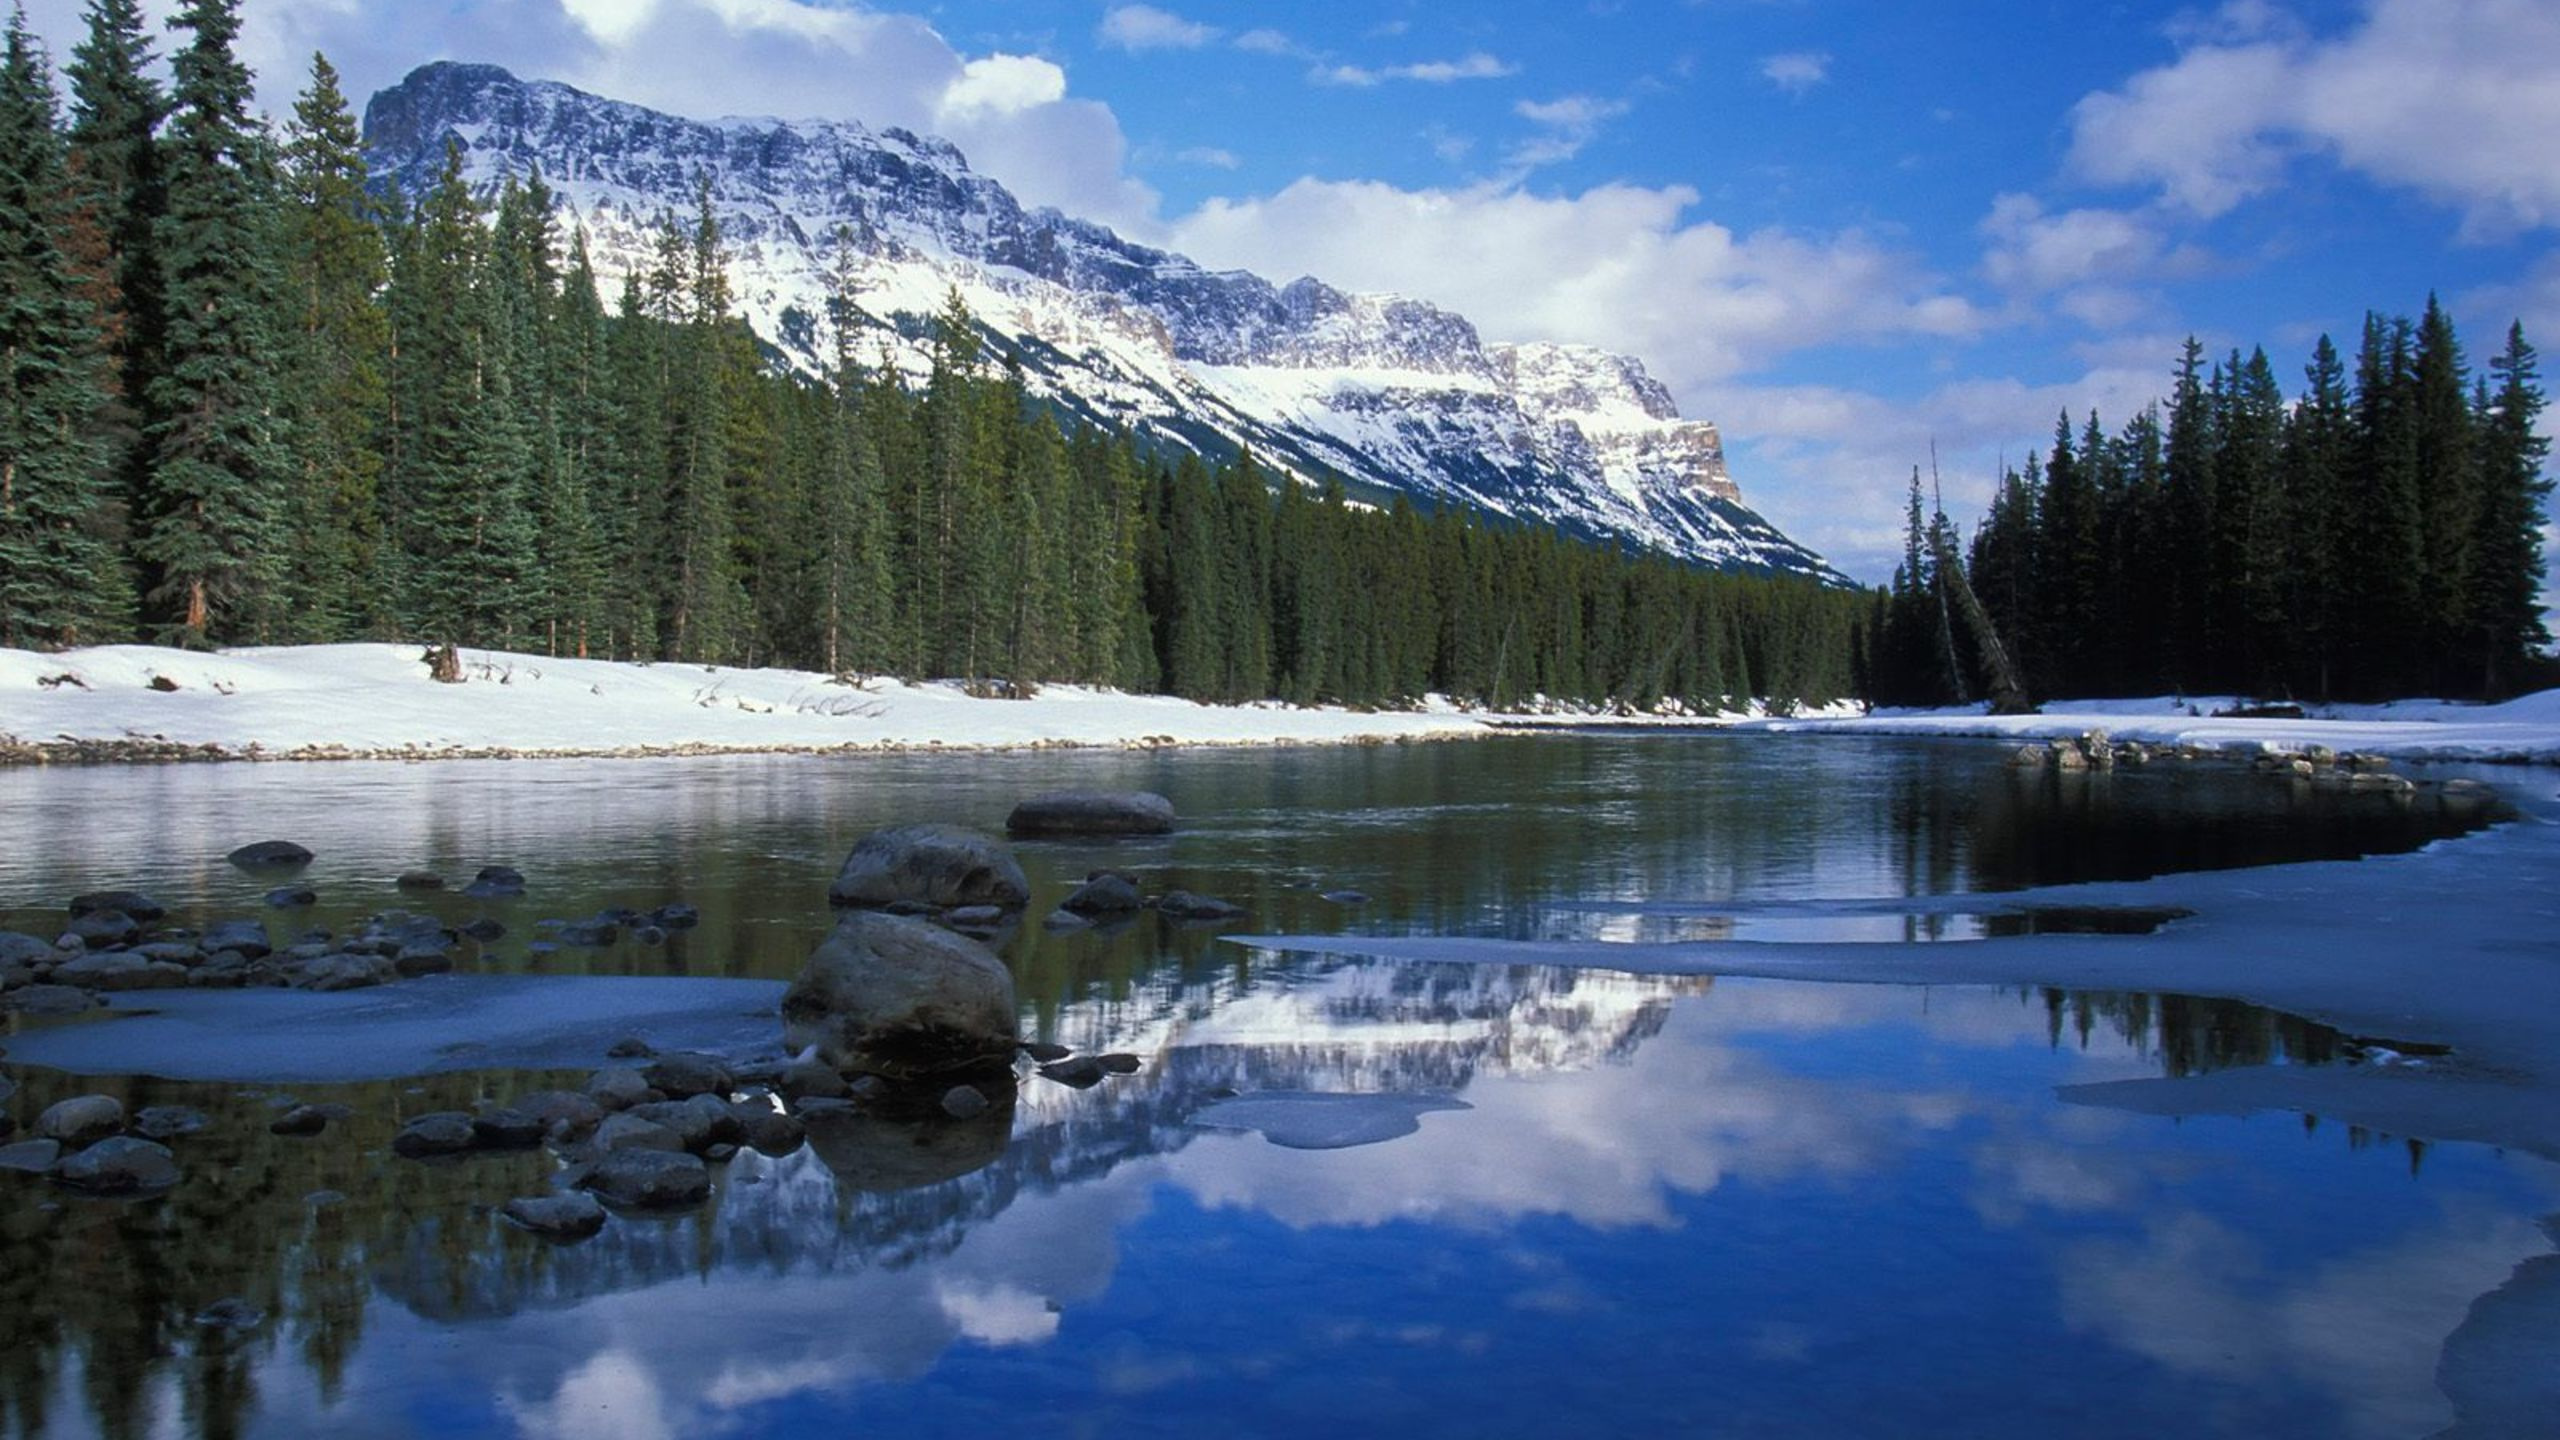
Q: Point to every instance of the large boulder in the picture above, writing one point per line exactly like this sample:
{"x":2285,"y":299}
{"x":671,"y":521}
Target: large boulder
{"x":558,"y":1217}
{"x":21,"y":949}
{"x":890,"y":995}
{"x":1105,"y":892}
{"x":119,"y":971}
{"x":936,"y":865}
{"x":1092,"y":812}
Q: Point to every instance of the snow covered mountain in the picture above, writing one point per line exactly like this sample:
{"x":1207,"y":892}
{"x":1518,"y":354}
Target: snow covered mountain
{"x":1388,"y":394}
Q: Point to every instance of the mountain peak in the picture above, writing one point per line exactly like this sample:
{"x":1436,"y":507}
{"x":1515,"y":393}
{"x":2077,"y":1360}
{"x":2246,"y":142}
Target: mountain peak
{"x":1390,"y":395}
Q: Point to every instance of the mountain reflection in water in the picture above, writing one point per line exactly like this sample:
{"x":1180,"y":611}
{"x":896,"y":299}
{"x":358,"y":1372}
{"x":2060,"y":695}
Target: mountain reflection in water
{"x":1794,"y":1208}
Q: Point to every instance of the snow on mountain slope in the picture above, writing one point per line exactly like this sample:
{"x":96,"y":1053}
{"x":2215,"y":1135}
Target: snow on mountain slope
{"x":1391,"y":395}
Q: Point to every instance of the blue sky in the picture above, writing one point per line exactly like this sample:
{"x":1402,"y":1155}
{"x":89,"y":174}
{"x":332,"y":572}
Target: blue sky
{"x":1842,"y":229}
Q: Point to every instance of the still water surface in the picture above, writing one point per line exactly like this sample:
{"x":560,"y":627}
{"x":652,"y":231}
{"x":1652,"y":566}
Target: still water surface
{"x":1619,"y":1205}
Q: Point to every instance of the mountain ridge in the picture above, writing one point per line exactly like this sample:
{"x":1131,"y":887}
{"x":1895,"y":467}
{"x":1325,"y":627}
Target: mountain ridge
{"x":1389,"y":394}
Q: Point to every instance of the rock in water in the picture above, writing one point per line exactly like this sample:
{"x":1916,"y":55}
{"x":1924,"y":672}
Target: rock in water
{"x":131,"y":902}
{"x":81,"y":1120}
{"x":1105,"y":892}
{"x":270,"y":855}
{"x":120,"y":1166}
{"x":894,"y":996}
{"x":939,"y":865}
{"x":650,"y":1179}
{"x":446,"y":1132}
{"x":1083,"y":812}
{"x":560,"y":1217}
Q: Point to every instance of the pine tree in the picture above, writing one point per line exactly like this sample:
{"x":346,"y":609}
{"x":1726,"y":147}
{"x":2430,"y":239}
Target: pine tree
{"x":207,"y":519}
{"x":2448,"y":494}
{"x":2192,"y":515}
{"x":336,"y":358}
{"x":2315,"y":461}
{"x":118,"y":198}
{"x":2506,"y":576}
{"x":58,"y":580}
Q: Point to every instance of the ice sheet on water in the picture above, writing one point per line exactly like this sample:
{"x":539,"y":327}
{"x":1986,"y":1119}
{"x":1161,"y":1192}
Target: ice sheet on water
{"x":418,"y":1027}
{"x":1301,"y":1120}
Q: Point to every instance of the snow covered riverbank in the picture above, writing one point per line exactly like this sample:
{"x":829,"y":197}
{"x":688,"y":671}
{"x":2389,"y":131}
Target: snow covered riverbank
{"x":321,"y":702}
{"x":2521,"y":731}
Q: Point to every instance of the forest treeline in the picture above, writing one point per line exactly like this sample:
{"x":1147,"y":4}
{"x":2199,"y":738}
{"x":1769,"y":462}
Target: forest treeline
{"x":2378,"y":535}
{"x":251,"y":399}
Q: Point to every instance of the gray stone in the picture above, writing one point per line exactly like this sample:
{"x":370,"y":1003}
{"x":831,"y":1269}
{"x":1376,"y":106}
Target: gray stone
{"x":1105,"y":892}
{"x":1126,"y":812}
{"x":110,"y":971}
{"x":445,"y":1132}
{"x":675,"y":915}
{"x":301,"y":1120}
{"x":628,"y":1131}
{"x":414,"y":961}
{"x":974,"y":917}
{"x":1183,"y":905}
{"x":2029,"y":757}
{"x":1119,"y":1063}
{"x":249,"y":937}
{"x":964,"y":1102}
{"x":901,"y":997}
{"x":1062,"y":920}
{"x":291,"y":896}
{"x":420,"y":880}
{"x":631,"y":1047}
{"x":765,"y":1129}
{"x":558,"y":1217}
{"x":344,"y":972}
{"x":590,"y":934}
{"x":1042,"y":1052}
{"x":31,"y":1157}
{"x":270,"y":854}
{"x":81,"y":1120}
{"x":686,"y":1073}
{"x":49,"y":1000}
{"x":562,"y":1112}
{"x":698,"y":1123}
{"x":500,"y":1127}
{"x":618,"y":1088}
{"x":22,"y":949}
{"x":496,"y":882}
{"x":168,"y":1122}
{"x":120,"y":1166}
{"x":1344,"y":897}
{"x":815,"y":1078}
{"x":940,"y":865}
{"x":100,"y":929}
{"x":172,"y":952}
{"x":131,"y":902}
{"x":650,"y":1179}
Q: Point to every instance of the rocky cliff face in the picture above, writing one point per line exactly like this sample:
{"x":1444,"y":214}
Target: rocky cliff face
{"x":1390,"y":395}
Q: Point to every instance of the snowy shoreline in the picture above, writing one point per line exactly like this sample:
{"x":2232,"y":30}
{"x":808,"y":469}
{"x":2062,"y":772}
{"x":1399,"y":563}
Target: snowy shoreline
{"x":138,"y":704}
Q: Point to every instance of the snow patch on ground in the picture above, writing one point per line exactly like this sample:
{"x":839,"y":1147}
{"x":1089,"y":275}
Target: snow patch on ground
{"x":379,"y":700}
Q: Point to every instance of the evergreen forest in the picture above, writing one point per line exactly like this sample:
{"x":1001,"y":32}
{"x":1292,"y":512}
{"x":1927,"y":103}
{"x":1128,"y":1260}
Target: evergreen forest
{"x":2378,"y":535}
{"x":249,"y":399}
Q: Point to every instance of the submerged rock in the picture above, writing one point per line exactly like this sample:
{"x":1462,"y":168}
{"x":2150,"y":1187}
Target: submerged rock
{"x":685,"y":1074}
{"x":270,"y":855}
{"x":938,"y":865}
{"x":119,"y":970}
{"x":496,"y":882}
{"x":22,"y":949}
{"x":301,"y":1120}
{"x":1183,"y":905}
{"x":1081,"y":812}
{"x":445,"y":1132}
{"x":169,"y":1122}
{"x":1106,"y":892}
{"x":31,"y":1157}
{"x":964,"y":1102}
{"x":102,"y":929}
{"x":901,"y":997}
{"x":499,"y":1127}
{"x":49,"y":1000}
{"x":248,"y":937}
{"x":420,"y":880}
{"x":1082,"y":1071}
{"x":121,"y":1165}
{"x":291,"y":896}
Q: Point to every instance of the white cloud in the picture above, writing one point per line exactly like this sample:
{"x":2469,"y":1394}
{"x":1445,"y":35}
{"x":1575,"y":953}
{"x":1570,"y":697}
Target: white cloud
{"x":1003,"y":85}
{"x":1268,"y":42}
{"x":1144,"y":27}
{"x":1796,"y":71}
{"x":1565,"y":126}
{"x":1476,"y":65}
{"x":1619,"y":265}
{"x":2454,"y":101}
{"x":1212,"y":156}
